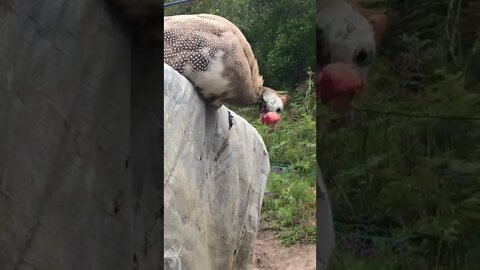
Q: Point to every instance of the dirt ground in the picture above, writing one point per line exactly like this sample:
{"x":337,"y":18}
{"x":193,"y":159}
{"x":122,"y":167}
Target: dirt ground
{"x":269,"y":254}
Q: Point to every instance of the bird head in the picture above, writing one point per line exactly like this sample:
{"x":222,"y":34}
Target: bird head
{"x":346,"y":48}
{"x":271,"y":107}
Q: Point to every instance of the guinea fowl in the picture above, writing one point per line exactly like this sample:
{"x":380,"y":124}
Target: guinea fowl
{"x":216,"y":57}
{"x":346,"y":47}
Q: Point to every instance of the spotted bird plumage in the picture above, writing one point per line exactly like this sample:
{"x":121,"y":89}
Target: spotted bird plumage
{"x":216,"y":57}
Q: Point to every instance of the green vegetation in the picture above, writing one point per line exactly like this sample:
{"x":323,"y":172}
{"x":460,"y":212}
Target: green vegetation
{"x":282,"y":36}
{"x":289,"y":202}
{"x":403,"y":174}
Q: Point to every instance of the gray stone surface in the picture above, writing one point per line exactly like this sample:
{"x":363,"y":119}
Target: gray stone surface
{"x":73,"y":195}
{"x":215,"y":175}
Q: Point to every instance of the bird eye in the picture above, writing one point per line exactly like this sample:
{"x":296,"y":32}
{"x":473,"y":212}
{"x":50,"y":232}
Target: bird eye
{"x":363,"y":57}
{"x":279,"y":110}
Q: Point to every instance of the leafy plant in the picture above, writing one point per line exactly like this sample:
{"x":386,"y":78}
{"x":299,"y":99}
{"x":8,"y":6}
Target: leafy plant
{"x":289,"y":203}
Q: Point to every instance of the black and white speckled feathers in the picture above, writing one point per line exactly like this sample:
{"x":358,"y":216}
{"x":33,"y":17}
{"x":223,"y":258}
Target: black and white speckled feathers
{"x":215,"y":56}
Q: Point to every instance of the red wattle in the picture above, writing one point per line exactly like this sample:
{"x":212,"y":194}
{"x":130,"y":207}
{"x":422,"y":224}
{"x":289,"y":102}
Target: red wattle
{"x":336,"y":80}
{"x":270,"y":118}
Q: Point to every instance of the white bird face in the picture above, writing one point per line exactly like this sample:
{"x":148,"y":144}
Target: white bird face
{"x":272,"y":102}
{"x":346,"y":35}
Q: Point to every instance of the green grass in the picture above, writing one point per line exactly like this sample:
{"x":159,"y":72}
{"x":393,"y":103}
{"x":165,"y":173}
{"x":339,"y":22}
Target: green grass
{"x":289,"y":202}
